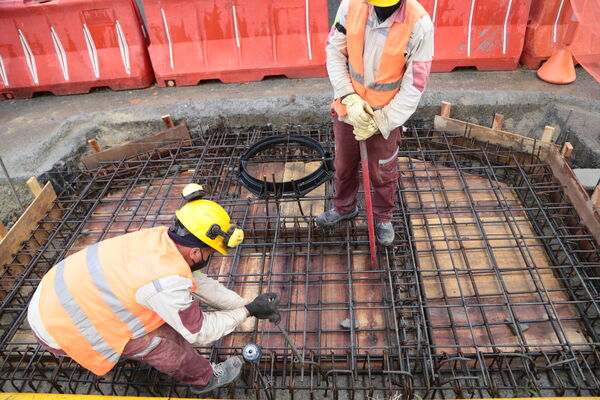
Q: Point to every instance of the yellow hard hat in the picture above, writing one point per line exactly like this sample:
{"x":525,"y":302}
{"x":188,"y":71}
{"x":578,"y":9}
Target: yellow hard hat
{"x":383,"y":3}
{"x":207,"y":220}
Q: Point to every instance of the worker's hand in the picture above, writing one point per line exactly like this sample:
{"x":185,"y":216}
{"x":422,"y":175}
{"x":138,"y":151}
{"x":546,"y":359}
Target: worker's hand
{"x":358,"y":111}
{"x":264,"y":306}
{"x":363,"y":133}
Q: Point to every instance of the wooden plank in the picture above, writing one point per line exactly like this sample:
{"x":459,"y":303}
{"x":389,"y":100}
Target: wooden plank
{"x":34,"y":186}
{"x":448,"y":244}
{"x":446,"y":107}
{"x":168,"y":121}
{"x":3,"y":231}
{"x":596,"y":197}
{"x":22,"y":229}
{"x":94,"y":146}
{"x":489,"y":135}
{"x":548,"y":134}
{"x":498,"y":121}
{"x":566,"y":150}
{"x":369,"y":306}
{"x":588,"y":214}
{"x":137,"y":146}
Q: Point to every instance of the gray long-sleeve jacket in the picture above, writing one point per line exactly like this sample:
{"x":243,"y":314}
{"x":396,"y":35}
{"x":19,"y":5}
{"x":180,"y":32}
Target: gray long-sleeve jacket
{"x":418,"y":63}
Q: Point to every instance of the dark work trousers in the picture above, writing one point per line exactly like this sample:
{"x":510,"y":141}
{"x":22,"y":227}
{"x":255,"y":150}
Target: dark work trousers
{"x":167,"y":351}
{"x":383,"y":170}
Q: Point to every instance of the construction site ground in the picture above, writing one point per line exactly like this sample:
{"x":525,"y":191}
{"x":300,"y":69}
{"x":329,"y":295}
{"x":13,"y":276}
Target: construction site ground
{"x":48,"y":131}
{"x":490,"y":289}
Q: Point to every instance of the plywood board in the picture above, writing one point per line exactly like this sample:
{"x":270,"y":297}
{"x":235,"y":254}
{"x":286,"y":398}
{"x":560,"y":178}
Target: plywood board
{"x":468,"y":278}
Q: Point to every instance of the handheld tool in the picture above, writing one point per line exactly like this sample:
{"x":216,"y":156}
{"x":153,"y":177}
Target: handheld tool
{"x":251,"y":353}
{"x":297,"y":357}
{"x":364,"y":160}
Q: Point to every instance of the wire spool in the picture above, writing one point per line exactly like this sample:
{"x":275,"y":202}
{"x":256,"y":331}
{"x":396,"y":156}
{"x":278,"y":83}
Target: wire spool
{"x":251,"y":353}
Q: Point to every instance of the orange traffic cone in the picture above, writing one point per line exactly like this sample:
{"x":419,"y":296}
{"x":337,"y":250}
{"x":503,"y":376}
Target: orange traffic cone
{"x":559,"y":68}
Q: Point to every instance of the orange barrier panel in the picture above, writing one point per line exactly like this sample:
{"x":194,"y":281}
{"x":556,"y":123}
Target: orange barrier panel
{"x":547,"y":30}
{"x":71,"y":46}
{"x":485,"y":34}
{"x":547,"y":26}
{"x":236,"y":41}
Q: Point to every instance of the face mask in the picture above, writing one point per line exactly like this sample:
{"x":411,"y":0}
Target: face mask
{"x":200,"y":264}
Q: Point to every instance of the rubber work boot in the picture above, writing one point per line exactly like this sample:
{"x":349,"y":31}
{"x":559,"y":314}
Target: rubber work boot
{"x":332,"y":217}
{"x":223,"y":374}
{"x":385,"y":233}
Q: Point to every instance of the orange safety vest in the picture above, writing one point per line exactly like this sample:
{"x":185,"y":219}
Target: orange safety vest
{"x":393,"y":63}
{"x":87,"y":301}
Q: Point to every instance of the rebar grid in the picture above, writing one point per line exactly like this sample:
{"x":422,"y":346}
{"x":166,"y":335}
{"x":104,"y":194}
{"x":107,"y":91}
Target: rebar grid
{"x":443,"y":315}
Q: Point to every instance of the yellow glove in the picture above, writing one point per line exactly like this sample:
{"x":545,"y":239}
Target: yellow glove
{"x":369,"y":130}
{"x":365,"y":133}
{"x":357,"y":111}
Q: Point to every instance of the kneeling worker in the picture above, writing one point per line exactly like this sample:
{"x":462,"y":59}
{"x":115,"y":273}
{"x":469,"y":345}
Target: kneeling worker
{"x":110,"y":301}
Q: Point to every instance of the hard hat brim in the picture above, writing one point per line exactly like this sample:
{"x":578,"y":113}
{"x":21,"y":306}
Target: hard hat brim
{"x":383,"y":3}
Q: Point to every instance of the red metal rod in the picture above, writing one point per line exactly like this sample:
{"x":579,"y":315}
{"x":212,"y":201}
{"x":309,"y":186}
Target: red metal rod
{"x":364,"y":159}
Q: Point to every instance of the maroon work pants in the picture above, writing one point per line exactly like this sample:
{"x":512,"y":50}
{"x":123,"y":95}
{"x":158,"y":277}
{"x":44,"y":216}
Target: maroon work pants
{"x":167,"y":351}
{"x":383,"y":170}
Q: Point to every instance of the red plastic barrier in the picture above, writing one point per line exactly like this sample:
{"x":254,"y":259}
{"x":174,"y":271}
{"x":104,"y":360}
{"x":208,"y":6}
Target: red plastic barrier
{"x":486,"y":34}
{"x":70,"y":46}
{"x":236,"y":40}
{"x":547,"y":31}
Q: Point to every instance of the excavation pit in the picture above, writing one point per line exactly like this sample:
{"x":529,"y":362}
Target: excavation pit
{"x":490,"y":290}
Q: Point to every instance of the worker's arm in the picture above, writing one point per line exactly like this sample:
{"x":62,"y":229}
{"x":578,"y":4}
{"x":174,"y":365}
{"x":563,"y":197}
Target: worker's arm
{"x":418,"y":65}
{"x":214,"y":294}
{"x":171,"y":298}
{"x":337,"y":54}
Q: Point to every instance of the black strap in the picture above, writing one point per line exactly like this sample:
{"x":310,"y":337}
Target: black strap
{"x":340,"y":28}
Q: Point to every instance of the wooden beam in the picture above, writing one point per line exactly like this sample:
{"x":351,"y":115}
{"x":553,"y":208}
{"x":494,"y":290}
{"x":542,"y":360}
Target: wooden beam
{"x":596,"y":197}
{"x":578,"y":196}
{"x":498,"y":121}
{"x":488,"y":135}
{"x":3,"y":231}
{"x":94,"y":146}
{"x":446,"y":109}
{"x":21,"y":230}
{"x":566,"y":150}
{"x":169,"y":124}
{"x":548,"y":135}
{"x":34,"y":186}
{"x":137,"y":146}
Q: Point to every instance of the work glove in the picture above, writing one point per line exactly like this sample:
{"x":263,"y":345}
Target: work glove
{"x":363,"y":133}
{"x":357,"y":108}
{"x":264,"y":306}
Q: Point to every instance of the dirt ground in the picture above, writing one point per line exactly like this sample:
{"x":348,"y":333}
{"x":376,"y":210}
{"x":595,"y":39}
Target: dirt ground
{"x":47,"y":131}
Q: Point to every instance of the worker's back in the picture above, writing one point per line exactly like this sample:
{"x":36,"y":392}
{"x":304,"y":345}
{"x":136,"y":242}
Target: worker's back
{"x":87,"y":301}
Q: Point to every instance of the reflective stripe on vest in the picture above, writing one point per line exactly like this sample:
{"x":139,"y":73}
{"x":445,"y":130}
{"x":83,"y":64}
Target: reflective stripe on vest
{"x":80,"y":320}
{"x":93,"y":264}
{"x":393,"y":62}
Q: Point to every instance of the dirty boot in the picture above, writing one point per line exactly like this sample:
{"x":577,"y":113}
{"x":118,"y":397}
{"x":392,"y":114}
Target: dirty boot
{"x":223,"y":374}
{"x":385,"y":233}
{"x":332,"y":217}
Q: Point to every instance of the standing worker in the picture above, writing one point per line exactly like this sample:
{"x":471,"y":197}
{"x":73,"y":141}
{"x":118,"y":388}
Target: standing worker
{"x":378,"y":60}
{"x":130,"y":297}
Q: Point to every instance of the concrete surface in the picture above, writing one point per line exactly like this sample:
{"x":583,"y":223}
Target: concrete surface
{"x":50,"y":132}
{"x":589,"y":177}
